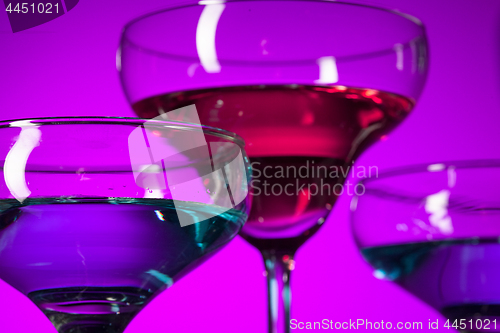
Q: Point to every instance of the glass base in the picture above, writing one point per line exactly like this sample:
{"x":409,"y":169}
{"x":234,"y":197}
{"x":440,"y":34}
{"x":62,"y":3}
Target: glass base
{"x":90,"y":309}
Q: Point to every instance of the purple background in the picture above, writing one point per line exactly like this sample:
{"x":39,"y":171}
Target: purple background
{"x":67,"y":67}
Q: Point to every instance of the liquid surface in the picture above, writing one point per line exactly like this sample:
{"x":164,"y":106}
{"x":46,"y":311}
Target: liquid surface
{"x":102,"y":260}
{"x":459,"y":278}
{"x":290,"y":127}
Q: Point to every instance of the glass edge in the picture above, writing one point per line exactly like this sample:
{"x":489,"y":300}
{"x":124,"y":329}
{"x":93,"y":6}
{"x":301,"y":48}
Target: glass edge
{"x":178,"y":6}
{"x":424,"y":168}
{"x":128,"y":121}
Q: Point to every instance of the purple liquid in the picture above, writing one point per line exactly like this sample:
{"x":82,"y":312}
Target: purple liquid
{"x":91,"y":262}
{"x":459,"y":278}
{"x":290,"y":127}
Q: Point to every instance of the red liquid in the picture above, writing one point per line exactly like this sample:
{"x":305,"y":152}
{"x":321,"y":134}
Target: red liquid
{"x":289,"y":127}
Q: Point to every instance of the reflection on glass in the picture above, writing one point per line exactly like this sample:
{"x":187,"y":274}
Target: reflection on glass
{"x":327,"y":71}
{"x":205,"y":37}
{"x":16,"y":159}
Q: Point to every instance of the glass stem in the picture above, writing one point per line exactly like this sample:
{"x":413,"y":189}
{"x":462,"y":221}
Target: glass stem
{"x":278,"y":268}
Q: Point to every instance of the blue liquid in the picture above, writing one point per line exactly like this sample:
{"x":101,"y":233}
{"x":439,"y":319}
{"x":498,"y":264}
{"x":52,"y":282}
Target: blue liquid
{"x":90,"y":262}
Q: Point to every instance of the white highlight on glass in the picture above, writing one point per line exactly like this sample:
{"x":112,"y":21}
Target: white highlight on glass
{"x":274,"y":298}
{"x":205,"y":37}
{"x":379,"y":274}
{"x":436,"y":167}
{"x":192,"y":69}
{"x":452,"y":176}
{"x":22,"y":123}
{"x":118,"y":59}
{"x":15,"y":163}
{"x":159,"y":215}
{"x":409,"y":17}
{"x":437,"y":206}
{"x":399,"y":56}
{"x":328,"y":72}
{"x":354,"y":204}
{"x":162,"y":277}
{"x":210,"y":2}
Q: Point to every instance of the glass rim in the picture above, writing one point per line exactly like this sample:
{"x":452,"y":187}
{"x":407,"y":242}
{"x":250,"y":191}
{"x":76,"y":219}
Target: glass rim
{"x":433,"y":167}
{"x":126,"y":121}
{"x":347,"y":58}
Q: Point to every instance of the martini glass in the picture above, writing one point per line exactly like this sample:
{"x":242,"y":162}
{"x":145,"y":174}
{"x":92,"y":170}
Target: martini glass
{"x":434,"y":230}
{"x":99,"y":215}
{"x":308,"y":85}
